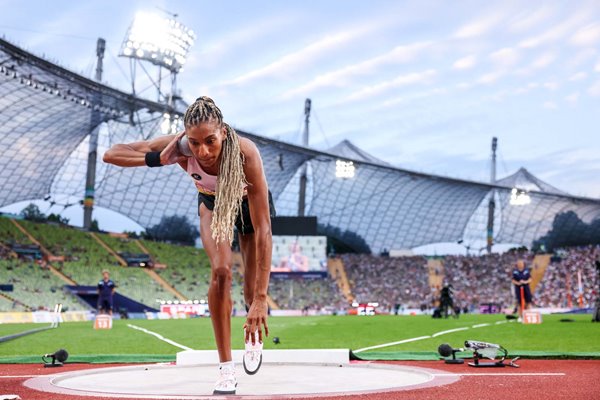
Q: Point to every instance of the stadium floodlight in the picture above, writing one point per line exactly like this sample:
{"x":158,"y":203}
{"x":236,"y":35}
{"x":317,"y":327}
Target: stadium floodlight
{"x":519,"y":197}
{"x":344,"y":169}
{"x":162,"y":41}
{"x":170,"y":124}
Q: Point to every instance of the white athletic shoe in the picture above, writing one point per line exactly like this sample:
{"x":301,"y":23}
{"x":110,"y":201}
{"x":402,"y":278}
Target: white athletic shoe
{"x":226,"y":383}
{"x":252,"y":355}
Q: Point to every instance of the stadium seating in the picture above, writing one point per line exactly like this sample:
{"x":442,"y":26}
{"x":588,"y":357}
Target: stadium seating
{"x":408,"y":282}
{"x":34,"y":286}
{"x":307,"y":294}
{"x":10,"y":234}
{"x":560,"y":287}
{"x":120,"y":245}
{"x":188,"y":269}
{"x":389,"y":280}
{"x":483,"y":279}
{"x":7,"y":305}
{"x":85,"y":259}
{"x":130,"y":281}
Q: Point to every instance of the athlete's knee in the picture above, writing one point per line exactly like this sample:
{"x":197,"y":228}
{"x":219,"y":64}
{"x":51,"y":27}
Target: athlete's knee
{"x":221,"y":274}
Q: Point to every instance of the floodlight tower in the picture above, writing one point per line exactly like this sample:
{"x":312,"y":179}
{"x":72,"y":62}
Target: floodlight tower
{"x":165,"y":43}
{"x":492,"y":203}
{"x":95,"y":120}
{"x":303,"y":178}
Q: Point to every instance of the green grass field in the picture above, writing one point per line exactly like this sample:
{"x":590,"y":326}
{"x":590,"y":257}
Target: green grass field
{"x":125,"y":344}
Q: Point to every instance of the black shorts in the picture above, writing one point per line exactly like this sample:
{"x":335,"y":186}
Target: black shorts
{"x":105,"y":304}
{"x":526,"y":293}
{"x":245,"y":228}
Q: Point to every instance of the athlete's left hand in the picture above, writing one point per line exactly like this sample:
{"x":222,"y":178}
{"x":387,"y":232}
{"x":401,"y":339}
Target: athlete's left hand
{"x":257,"y":317}
{"x":171,"y":154}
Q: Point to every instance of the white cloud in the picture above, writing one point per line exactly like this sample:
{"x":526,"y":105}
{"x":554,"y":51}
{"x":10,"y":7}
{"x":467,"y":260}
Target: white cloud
{"x":490,"y":77}
{"x":297,"y":60}
{"x":557,"y":31}
{"x":597,"y":67}
{"x":479,"y":27}
{"x":520,"y":90}
{"x":572,"y":98}
{"x":594,"y":90}
{"x":576,"y":156}
{"x":416,"y":96}
{"x":550,"y":105}
{"x":530,"y":86}
{"x":402,"y":80}
{"x":578,"y":76}
{"x":543,"y":61}
{"x":587,"y":36}
{"x":498,"y":96}
{"x":581,"y":57}
{"x":465,"y":62}
{"x":215,"y":51}
{"x":529,"y":19}
{"x":464,"y":85}
{"x":343,"y":76}
{"x":550,"y":85}
{"x":69,"y":20}
{"x":505,"y":57}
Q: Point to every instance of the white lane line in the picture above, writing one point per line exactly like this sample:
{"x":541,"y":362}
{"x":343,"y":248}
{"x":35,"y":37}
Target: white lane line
{"x":507,"y":374}
{"x":392,"y":343}
{"x":160,"y":337}
{"x":449,"y":331}
{"x":425,"y":337}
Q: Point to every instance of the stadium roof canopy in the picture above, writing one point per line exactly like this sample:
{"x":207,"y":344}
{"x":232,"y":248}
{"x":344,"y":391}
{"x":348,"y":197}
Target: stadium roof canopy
{"x":48,"y":112}
{"x":347,"y":150}
{"x":524,"y":179}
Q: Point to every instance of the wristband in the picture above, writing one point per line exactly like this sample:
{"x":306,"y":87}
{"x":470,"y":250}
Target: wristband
{"x":152,"y":159}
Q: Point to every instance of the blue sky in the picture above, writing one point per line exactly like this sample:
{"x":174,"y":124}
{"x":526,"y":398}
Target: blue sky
{"x":422,"y":85}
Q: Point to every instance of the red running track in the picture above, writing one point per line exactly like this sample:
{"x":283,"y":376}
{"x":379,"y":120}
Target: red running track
{"x":581,"y":381}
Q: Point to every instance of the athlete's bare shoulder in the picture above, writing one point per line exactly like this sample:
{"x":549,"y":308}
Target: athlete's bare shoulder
{"x":247,"y":145}
{"x":253,"y":166}
{"x":249,"y":148}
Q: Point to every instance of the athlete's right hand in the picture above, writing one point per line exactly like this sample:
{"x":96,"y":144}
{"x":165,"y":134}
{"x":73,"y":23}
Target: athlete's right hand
{"x":171,"y":154}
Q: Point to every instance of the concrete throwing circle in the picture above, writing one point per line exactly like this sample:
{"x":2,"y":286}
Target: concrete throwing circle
{"x":160,"y":381}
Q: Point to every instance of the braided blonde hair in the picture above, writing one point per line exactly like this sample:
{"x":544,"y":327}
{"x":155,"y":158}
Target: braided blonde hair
{"x":231,"y":179}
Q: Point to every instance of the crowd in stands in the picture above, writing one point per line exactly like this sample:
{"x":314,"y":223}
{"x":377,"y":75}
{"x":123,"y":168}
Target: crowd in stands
{"x":394,"y":282}
{"x":484,"y":279}
{"x":314,"y":294}
{"x":560,"y":286}
{"x":474,"y":279}
{"x":390,"y":281}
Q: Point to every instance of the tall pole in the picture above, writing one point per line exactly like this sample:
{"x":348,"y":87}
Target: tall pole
{"x":307,"y":104}
{"x":302,"y":192}
{"x":90,"y":180}
{"x":492,"y":203}
{"x":494,"y":147}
